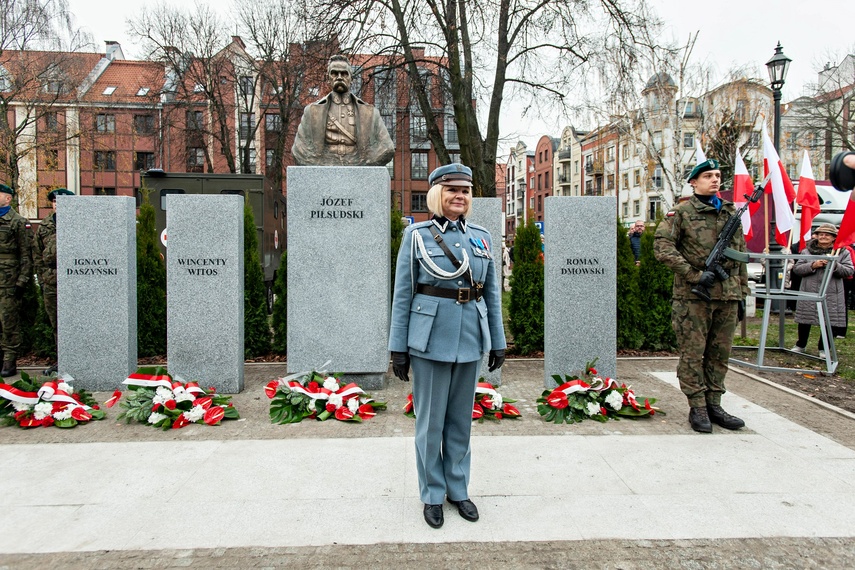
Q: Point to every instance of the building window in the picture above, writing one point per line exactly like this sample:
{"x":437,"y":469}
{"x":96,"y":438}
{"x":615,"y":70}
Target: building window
{"x":250,"y":163}
{"x":657,"y":140}
{"x":272,"y":122}
{"x":51,"y":122}
{"x":653,"y":208}
{"x":389,"y":121}
{"x":589,"y":187}
{"x":688,"y":140}
{"x":454,"y":157}
{"x":99,"y":191}
{"x":418,"y":202}
{"x":754,"y":141}
{"x":625,"y":209}
{"x":144,"y":161}
{"x":105,"y":160}
{"x":418,"y":129}
{"x":247,"y":125}
{"x":195,"y":159}
{"x":419,"y":166}
{"x":247,"y":86}
{"x":610,"y":154}
{"x":624,"y":152}
{"x":636,"y":177}
{"x":195,"y":120}
{"x":451,"y":136}
{"x":741,"y":113}
{"x":610,"y":182}
{"x":143,"y":124}
{"x":625,"y":180}
{"x":143,"y":91}
{"x":50,"y":159}
{"x":105,"y":123}
{"x":657,"y":177}
{"x":576,"y":167}
{"x":636,"y":207}
{"x":269,"y":155}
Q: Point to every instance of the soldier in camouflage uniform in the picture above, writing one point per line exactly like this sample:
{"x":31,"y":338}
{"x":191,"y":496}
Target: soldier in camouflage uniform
{"x":44,"y":259}
{"x":15,"y":271}
{"x":704,"y":329}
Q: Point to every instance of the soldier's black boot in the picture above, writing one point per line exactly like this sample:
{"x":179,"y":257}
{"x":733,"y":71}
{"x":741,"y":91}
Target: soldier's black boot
{"x":700,"y":420}
{"x":719,"y":417}
{"x":9,"y":369}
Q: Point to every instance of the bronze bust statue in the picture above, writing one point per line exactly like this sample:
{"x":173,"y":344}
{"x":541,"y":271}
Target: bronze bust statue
{"x":341,"y":129}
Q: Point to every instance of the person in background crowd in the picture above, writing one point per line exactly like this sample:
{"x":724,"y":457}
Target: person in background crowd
{"x":16,"y":266}
{"x":811,"y":271}
{"x":446,"y":312}
{"x":704,"y":329}
{"x":506,"y":268}
{"x":635,"y":239}
{"x":44,"y":260}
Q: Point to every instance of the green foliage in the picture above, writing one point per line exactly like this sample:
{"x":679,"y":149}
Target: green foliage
{"x":36,"y":332}
{"x":630,"y":322}
{"x":526,"y":307}
{"x":655,"y":284}
{"x":280,"y":307}
{"x":151,"y":286}
{"x":256,"y":328}
{"x":397,"y":238}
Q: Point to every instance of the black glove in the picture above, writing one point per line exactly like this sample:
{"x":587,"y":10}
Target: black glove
{"x":19,"y":291}
{"x":707,"y":279}
{"x":401,"y":365}
{"x":740,"y":310}
{"x":496,"y":359}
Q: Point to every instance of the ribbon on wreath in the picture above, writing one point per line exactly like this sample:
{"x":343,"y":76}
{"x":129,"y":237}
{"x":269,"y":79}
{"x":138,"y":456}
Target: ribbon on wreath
{"x":158,"y":380}
{"x":48,"y":392}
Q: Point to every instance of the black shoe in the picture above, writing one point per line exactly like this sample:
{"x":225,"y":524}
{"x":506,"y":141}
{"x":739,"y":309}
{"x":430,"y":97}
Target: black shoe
{"x":700,"y":420}
{"x":719,"y":417}
{"x":51,"y":371}
{"x":9,"y":369}
{"x":466,"y":508}
{"x":433,"y":515}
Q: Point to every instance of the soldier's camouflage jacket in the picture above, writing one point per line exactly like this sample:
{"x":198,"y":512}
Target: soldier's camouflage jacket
{"x":16,"y":264}
{"x":44,"y":251}
{"x":686,"y":237}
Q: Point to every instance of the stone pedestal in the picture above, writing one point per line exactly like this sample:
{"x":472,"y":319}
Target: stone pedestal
{"x":96,"y":289}
{"x":580,"y":285}
{"x":204,"y":281}
{"x":487,"y":213}
{"x":339,"y":268}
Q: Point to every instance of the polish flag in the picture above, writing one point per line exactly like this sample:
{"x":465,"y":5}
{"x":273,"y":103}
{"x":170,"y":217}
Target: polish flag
{"x":699,"y":152}
{"x":781,"y":189}
{"x":846,"y":233}
{"x":742,"y":187}
{"x":807,"y":199}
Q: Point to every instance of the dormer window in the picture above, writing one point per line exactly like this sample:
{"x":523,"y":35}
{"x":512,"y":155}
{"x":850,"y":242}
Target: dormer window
{"x":143,"y":92}
{"x":110,"y":90}
{"x":5,"y":80}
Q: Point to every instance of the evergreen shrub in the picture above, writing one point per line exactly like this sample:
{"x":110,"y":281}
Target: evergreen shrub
{"x":280,"y":307}
{"x":526,"y":306}
{"x":256,"y":327}
{"x":630,"y":322}
{"x":151,"y":286}
{"x":656,"y":282}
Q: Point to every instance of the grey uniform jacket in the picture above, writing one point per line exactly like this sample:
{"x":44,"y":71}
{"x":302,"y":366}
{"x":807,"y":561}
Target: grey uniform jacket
{"x":437,"y":328}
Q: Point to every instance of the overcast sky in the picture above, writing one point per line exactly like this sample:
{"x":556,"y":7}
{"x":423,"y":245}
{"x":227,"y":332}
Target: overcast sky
{"x":733,"y":33}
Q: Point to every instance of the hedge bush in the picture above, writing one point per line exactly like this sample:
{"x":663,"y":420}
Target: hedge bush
{"x":151,"y":286}
{"x":526,"y":306}
{"x":630,"y":323}
{"x":655,"y":284}
{"x":256,"y":327}
{"x":280,"y":307}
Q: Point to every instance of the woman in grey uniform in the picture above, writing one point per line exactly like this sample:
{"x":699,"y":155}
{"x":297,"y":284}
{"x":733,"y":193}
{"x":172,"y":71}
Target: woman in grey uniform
{"x":446,"y":313}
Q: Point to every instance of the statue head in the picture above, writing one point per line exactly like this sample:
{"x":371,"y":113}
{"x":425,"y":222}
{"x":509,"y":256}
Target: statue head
{"x":339,"y":74}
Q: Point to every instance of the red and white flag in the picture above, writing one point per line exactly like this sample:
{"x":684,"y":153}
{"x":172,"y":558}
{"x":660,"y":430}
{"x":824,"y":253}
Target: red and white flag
{"x":742,"y":187}
{"x":781,"y":189}
{"x":807,"y":199}
{"x":699,"y":152}
{"x":846,"y":233}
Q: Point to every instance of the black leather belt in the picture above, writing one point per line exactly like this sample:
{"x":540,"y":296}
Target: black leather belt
{"x":463,"y":295}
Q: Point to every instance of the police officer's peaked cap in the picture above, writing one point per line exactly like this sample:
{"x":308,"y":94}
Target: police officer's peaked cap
{"x":451,"y":175}
{"x":6,"y":189}
{"x":701,"y":167}
{"x":58,"y":192}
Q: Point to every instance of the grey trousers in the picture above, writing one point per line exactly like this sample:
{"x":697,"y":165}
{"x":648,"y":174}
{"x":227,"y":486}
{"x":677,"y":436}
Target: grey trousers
{"x":443,"y":396}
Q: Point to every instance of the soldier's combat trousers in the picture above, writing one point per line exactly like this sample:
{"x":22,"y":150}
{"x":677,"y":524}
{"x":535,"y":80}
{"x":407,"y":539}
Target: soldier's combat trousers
{"x":704,"y":337}
{"x":49,"y":296}
{"x":10,"y":315}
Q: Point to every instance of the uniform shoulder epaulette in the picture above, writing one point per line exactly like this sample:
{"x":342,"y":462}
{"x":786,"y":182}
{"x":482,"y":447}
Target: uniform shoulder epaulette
{"x":423,"y":224}
{"x":476,"y":227}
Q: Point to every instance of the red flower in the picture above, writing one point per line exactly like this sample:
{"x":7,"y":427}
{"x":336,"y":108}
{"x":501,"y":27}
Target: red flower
{"x":408,"y":407}
{"x":81,"y":415}
{"x":604,"y":411}
{"x":30,"y":422}
{"x":313,"y":386}
{"x":213,"y":415}
{"x":47,"y":422}
{"x":170,"y":404}
{"x":498,"y":415}
{"x":180,"y":422}
{"x":76,"y":397}
{"x":649,"y":408}
{"x":96,"y":407}
{"x":477,"y":412}
{"x":487,"y":403}
{"x":330,"y":407}
{"x":21,"y":414}
{"x":271,"y":388}
{"x":205,"y":402}
{"x":343,"y":414}
{"x":155,"y":408}
{"x":211,"y":390}
{"x":557,"y":399}
{"x":511,"y":411}
{"x":592,"y":370}
{"x":366,"y":411}
{"x":56,"y":407}
{"x":112,"y":401}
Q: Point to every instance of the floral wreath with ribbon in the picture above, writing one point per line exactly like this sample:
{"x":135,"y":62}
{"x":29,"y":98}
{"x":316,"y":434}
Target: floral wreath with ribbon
{"x":53,"y":403}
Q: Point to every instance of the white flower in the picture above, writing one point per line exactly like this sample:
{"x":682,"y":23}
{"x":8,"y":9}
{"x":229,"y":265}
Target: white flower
{"x":593,"y":408}
{"x":63,"y":414}
{"x":19,"y":407}
{"x":497,"y":401}
{"x":65,"y":387}
{"x":312,"y":403}
{"x":353,"y":404}
{"x":331,"y":384}
{"x":184,"y":396}
{"x":194,"y":414}
{"x":156,"y":417}
{"x":335,"y":400}
{"x":42,"y":410}
{"x":615,"y":400}
{"x":162,"y":394}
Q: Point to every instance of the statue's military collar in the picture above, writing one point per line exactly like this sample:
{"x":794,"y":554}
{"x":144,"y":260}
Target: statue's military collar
{"x":441,"y":222}
{"x":339,"y":99}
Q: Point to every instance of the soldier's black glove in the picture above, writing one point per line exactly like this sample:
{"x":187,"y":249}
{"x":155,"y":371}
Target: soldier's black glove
{"x":19,"y":291}
{"x":707,"y":279}
{"x":496,"y":359}
{"x":401,"y":365}
{"x":740,"y":311}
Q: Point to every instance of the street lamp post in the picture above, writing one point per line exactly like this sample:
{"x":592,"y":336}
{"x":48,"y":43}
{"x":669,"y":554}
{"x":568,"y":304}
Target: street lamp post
{"x":777,"y":67}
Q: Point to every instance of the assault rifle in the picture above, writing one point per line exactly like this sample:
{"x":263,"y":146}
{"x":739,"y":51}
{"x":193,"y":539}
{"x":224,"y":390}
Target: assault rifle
{"x":722,"y":247}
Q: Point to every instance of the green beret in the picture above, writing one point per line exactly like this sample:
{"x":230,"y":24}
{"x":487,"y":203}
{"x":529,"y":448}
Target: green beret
{"x":6,"y":189}
{"x":58,"y":192}
{"x":708,"y":164}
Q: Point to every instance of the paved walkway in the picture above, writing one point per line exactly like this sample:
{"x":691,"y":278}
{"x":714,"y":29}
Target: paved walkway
{"x":776,"y":491}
